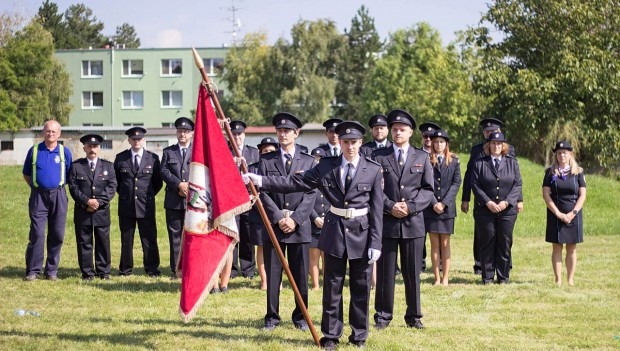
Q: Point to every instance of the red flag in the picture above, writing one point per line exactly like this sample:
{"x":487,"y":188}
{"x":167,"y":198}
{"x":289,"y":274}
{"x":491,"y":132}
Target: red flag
{"x":217,"y":194}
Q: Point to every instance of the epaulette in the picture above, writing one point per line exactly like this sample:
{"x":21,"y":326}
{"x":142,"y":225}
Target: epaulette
{"x":78,"y":160}
{"x":454,"y":155}
{"x":104,"y":160}
{"x":372,"y":161}
{"x":328,"y":157}
{"x":306,"y":154}
{"x":510,"y":156}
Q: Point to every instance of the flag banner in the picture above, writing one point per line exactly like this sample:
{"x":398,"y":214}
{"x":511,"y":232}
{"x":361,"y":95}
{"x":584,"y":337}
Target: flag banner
{"x":216,"y":195}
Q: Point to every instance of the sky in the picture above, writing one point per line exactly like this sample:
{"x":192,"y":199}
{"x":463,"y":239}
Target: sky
{"x":200,"y":23}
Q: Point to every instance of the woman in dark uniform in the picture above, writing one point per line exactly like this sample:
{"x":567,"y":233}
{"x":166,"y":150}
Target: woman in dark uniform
{"x":496,"y":183}
{"x":439,"y":216}
{"x":257,"y":227}
{"x":321,"y":207}
{"x":564,"y":192}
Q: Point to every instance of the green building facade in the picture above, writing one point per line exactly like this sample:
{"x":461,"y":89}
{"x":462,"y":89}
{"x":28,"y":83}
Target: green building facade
{"x":146,"y":87}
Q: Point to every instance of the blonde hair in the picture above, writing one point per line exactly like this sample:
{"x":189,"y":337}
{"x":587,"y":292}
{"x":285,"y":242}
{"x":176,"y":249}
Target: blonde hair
{"x":574,"y":166}
{"x":487,"y":148}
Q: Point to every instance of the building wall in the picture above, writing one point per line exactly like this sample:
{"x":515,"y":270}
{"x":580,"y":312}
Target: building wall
{"x":112,"y":83}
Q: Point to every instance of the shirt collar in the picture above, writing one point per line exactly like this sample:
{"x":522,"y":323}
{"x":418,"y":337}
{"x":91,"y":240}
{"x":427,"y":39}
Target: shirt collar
{"x":292,"y":153}
{"x":405,"y":149}
{"x":139,"y":153}
{"x":355,"y":162}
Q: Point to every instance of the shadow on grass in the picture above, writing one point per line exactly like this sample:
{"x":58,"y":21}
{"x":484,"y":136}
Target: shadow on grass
{"x":142,"y":338}
{"x":12,"y":272}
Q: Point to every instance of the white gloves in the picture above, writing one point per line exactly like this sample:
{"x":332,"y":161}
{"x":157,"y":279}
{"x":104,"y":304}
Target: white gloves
{"x":373,"y":255}
{"x":251,"y":177}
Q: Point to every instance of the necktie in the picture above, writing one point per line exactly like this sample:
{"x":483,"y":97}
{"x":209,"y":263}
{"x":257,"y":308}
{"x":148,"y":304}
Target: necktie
{"x":92,"y":166}
{"x":287,"y":164}
{"x":400,"y":160}
{"x":381,"y":146}
{"x":136,"y":163}
{"x":335,"y":152}
{"x":348,"y":177}
{"x":496,"y":161}
{"x":183,"y":153}
{"x":440,"y":160}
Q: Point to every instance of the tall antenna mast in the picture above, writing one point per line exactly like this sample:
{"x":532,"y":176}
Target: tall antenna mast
{"x":235,"y":20}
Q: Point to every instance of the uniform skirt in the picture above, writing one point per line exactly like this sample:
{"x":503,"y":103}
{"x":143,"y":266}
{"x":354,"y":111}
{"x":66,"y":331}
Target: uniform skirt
{"x":441,"y":226}
{"x":257,"y":230}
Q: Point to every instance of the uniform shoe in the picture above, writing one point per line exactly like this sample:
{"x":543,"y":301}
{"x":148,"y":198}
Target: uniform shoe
{"x":269,"y":327}
{"x":214,"y":291}
{"x":105,"y":277}
{"x":154,"y":275}
{"x":88,"y":278}
{"x":224,"y":290}
{"x":416,"y":324}
{"x":328,"y":344}
{"x":302,"y":326}
{"x":31,"y":277}
{"x":380,"y":326}
{"x":52,"y":277}
{"x":359,"y":343}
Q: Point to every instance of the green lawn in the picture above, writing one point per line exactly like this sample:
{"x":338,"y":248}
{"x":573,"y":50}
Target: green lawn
{"x":138,"y":313}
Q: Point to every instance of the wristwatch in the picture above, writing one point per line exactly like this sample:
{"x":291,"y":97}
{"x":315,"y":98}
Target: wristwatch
{"x":574,"y":212}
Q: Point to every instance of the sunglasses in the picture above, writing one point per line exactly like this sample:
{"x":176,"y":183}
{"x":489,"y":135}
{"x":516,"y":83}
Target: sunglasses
{"x":426,"y":136}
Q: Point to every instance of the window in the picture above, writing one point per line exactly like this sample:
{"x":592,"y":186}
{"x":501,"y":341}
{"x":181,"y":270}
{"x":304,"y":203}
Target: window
{"x":106,"y":145}
{"x":133,"y":99}
{"x":172,"y":98}
{"x":171,"y":67}
{"x":213,"y":66}
{"x":92,"y":69}
{"x":167,"y":124}
{"x":92,"y":100}
{"x":92,"y":124}
{"x":133,"y":68}
{"x":6,"y":145}
{"x":133,"y":124}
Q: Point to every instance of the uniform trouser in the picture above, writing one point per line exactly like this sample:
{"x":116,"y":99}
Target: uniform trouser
{"x":297,"y":258}
{"x":243,"y":256}
{"x":84,"y":240}
{"x":410,"y":263}
{"x":46,"y":207}
{"x":148,"y":238}
{"x":174,"y":223}
{"x":332,"y":319}
{"x":495,"y":240}
{"x":476,"y":249}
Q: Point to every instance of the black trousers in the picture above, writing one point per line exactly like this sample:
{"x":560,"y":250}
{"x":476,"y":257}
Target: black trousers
{"x":332,"y":319}
{"x":174,"y":224}
{"x":84,"y":239}
{"x":148,"y":237}
{"x":476,"y":250}
{"x":495,"y":245}
{"x":297,"y":258}
{"x":410,"y":263}
{"x":243,"y":255}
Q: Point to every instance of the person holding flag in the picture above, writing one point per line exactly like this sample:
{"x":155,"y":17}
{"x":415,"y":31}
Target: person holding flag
{"x":351,"y":232}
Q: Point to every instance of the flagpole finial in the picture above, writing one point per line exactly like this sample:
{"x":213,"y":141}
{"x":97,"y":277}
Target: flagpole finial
{"x":197,"y":59}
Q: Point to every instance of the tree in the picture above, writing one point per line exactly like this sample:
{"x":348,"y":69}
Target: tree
{"x":362,"y":50}
{"x":557,"y":67}
{"x":34,"y":86}
{"x":417,"y":74}
{"x":83,"y":28}
{"x":52,"y":20}
{"x":126,"y":34}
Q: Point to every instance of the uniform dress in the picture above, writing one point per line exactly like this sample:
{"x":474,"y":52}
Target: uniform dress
{"x":85,"y":183}
{"x":564,"y":193}
{"x":343,"y":240}
{"x":47,"y":204}
{"x":295,"y":245}
{"x":412,"y":183}
{"x":446,"y":186}
{"x":243,"y":255}
{"x":476,"y":152}
{"x":495,"y":229}
{"x":136,"y":205}
{"x":175,"y":170}
{"x":257,"y":227}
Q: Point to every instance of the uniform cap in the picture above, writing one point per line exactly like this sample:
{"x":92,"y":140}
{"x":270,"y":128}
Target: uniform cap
{"x":318,"y":151}
{"x":135,"y":132}
{"x":350,"y":130}
{"x":267,"y":141}
{"x":440,"y":133}
{"x":184,"y":123}
{"x":563,"y":145}
{"x":93,"y":139}
{"x":400,"y":116}
{"x":237,"y":127}
{"x":286,"y":120}
{"x":377,"y":120}
{"x":429,"y":128}
{"x":496,"y":136}
{"x":491,"y":124}
{"x":331,"y":123}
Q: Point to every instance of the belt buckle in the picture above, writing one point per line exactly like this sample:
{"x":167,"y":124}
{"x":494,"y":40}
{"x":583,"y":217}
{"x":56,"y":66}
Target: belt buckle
{"x":348,"y":213}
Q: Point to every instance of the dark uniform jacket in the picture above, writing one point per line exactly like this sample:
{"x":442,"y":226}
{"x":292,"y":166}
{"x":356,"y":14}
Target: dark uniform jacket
{"x":174,"y":171}
{"x":447,"y":180}
{"x":136,"y":191}
{"x":85,"y":185}
{"x":320,"y":209}
{"x":414,"y":186}
{"x":369,"y":147}
{"x":355,"y":235}
{"x":477,"y":151}
{"x":300,"y":202}
{"x":328,"y":149}
{"x":499,"y":185}
{"x":250,"y":154}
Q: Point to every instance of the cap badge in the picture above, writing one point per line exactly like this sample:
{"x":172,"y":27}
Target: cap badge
{"x":439,"y":134}
{"x":379,"y":120}
{"x":92,"y":139}
{"x":237,"y":126}
{"x":183,"y":123}
{"x":137,"y":132}
{"x":429,"y":128}
{"x":283,"y":121}
{"x":348,"y":131}
{"x":398,"y":118}
{"x":561,"y":144}
{"x":335,"y":124}
{"x":488,"y":124}
{"x":497,"y":135}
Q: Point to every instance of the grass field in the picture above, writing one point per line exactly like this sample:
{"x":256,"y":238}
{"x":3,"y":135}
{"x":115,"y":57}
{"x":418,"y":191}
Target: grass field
{"x":139,"y":313}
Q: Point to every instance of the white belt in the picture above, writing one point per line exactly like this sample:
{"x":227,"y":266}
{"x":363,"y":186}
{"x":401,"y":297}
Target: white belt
{"x":349,"y":212}
{"x":287,"y":213}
